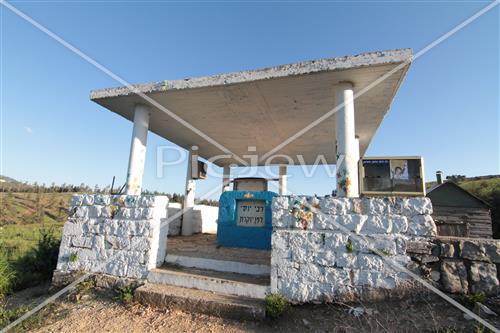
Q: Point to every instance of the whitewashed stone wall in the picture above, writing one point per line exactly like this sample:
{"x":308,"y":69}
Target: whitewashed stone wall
{"x":318,"y":254}
{"x":116,"y":235}
{"x":204,"y":219}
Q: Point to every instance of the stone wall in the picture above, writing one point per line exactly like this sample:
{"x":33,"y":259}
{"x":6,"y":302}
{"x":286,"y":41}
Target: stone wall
{"x":458,"y":265}
{"x":118,"y":235}
{"x":325,"y":248}
{"x":204,"y":219}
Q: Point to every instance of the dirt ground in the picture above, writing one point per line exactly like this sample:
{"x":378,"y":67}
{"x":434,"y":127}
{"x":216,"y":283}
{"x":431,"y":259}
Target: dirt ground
{"x":97,"y":312}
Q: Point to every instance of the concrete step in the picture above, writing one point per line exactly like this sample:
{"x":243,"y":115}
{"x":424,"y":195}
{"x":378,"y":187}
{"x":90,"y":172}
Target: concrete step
{"x":200,"y":301}
{"x":220,"y":282}
{"x":218,"y":265}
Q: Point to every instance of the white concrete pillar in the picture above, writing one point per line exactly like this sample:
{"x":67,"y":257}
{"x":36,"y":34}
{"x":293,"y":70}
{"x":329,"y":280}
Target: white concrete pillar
{"x":282,"y":180}
{"x":187,"y":217}
{"x":347,"y":154}
{"x":138,"y":149}
{"x":226,"y":178}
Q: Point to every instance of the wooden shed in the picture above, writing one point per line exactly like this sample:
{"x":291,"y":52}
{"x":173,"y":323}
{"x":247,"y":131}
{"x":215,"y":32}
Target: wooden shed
{"x":459,"y":213}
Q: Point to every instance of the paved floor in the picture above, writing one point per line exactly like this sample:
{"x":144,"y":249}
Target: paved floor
{"x":205,"y":246}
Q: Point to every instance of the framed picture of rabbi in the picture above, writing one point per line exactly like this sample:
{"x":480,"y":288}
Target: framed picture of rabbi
{"x":396,"y":175}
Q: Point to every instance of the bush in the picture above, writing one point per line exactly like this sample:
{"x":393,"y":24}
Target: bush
{"x":276,"y":305}
{"x":125,"y":294}
{"x":7,"y":276}
{"x":9,"y":315}
{"x":38,"y":265}
{"x":471,"y":299}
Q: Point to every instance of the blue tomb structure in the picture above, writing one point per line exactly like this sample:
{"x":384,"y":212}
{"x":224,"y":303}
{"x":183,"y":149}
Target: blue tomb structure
{"x":245,"y":215}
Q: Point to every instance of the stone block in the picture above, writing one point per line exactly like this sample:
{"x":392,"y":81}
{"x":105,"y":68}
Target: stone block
{"x":279,"y":240}
{"x":94,"y":211}
{"x":416,"y":206}
{"x":80,"y":212}
{"x":375,"y":224}
{"x":372,"y":262}
{"x":301,"y":255}
{"x":142,"y":244}
{"x":335,"y":206}
{"x":146,"y":201}
{"x":325,"y":258}
{"x":335,"y":242}
{"x":137,"y":271}
{"x":493,"y":251}
{"x":454,"y":277}
{"x":351,"y":222}
{"x":362,"y":278}
{"x":337,"y":277}
{"x":419,"y":247}
{"x":383,"y":243}
{"x":422,"y":226}
{"x":88,"y":199}
{"x":473,"y":250}
{"x":483,"y":278}
{"x":310,"y":272}
{"x":102,"y":199}
{"x":147,"y":213}
{"x":447,"y":250}
{"x":73,"y":227}
{"x":123,"y":213}
{"x":281,"y":203}
{"x":82,"y":241}
{"x":399,"y":224}
{"x":282,"y":219}
{"x":76,"y":200}
{"x":375,"y":206}
{"x":347,"y":260}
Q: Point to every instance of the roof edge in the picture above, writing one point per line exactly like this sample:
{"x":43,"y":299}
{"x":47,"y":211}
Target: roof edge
{"x":300,"y":68}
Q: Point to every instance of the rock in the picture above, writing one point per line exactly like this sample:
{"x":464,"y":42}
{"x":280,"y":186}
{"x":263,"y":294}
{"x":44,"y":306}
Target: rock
{"x":375,"y":206}
{"x":419,"y":247}
{"x":416,"y":206}
{"x":399,"y":224}
{"x":422,"y":226}
{"x":435,"y":276}
{"x":454,"y":277}
{"x":425,"y":259}
{"x":447,"y":250}
{"x":483,"y":278}
{"x":493,"y":251}
{"x":482,"y":310}
{"x":473,"y":250}
{"x":360,"y":311}
{"x":376,"y":225}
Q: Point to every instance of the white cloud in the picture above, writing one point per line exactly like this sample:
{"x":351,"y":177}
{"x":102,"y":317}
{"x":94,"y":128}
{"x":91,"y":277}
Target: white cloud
{"x":28,"y":130}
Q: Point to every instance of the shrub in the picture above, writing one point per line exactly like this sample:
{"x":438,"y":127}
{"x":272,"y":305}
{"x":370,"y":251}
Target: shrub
{"x":349,"y":247}
{"x":276,"y":305}
{"x":471,"y":299}
{"x":7,"y":276}
{"x":125,"y":294}
{"x":9,"y":315}
{"x":38,"y":265}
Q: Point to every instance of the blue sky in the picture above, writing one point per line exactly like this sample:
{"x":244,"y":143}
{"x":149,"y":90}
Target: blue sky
{"x":446,"y":110}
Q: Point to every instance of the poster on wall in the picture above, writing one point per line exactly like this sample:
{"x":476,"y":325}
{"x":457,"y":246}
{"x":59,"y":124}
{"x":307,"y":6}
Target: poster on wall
{"x":392,"y":175}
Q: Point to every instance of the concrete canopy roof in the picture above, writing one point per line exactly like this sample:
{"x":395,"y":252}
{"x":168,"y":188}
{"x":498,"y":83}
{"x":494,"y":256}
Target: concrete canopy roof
{"x":264,"y":107}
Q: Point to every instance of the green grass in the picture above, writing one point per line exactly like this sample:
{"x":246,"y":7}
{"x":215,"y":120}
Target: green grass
{"x":16,"y":240}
